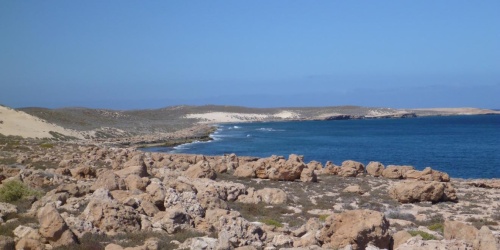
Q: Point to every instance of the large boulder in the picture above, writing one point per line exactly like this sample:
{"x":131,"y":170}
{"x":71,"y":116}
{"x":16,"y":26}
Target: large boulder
{"x":265,"y":195}
{"x":400,"y":238}
{"x":236,"y":232}
{"x":418,"y":191}
{"x":245,"y":171}
{"x":307,"y":233}
{"x":108,"y":215}
{"x":172,"y":220}
{"x":185,"y":201}
{"x":357,"y":228}
{"x":351,"y":168}
{"x":375,"y":168}
{"x":290,"y":171}
{"x":53,"y":227}
{"x":308,"y":175}
{"x":396,"y":172}
{"x":227,"y":191}
{"x":140,"y":170}
{"x":331,"y":169}
{"x":201,"y":169}
{"x":83,"y":172}
{"x":482,"y":239}
{"x":110,"y":181}
{"x":428,"y":174}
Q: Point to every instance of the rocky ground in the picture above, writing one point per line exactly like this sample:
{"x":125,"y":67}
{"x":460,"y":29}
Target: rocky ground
{"x":103,"y":195}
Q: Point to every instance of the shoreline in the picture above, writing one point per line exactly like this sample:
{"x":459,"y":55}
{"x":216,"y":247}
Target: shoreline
{"x":416,"y":164}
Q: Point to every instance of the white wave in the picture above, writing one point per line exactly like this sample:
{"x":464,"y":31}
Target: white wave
{"x":270,"y":129}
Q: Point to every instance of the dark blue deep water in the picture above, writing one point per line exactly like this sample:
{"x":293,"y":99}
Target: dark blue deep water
{"x":463,"y":146}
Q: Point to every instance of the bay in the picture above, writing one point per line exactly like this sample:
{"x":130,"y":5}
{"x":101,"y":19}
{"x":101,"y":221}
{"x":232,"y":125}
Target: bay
{"x":462,"y":146}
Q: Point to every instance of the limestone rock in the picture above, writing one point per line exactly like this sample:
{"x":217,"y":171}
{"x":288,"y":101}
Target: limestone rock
{"x":400,"y":238}
{"x":237,"y":232}
{"x":140,"y":170}
{"x":418,"y":191}
{"x":135,"y":182}
{"x":356,"y":227}
{"x":110,"y":181}
{"x":355,"y":189}
{"x":375,"y":168}
{"x":83,"y":172}
{"x":331,"y":168}
{"x":351,"y":168}
{"x":417,"y":243}
{"x":172,"y":220}
{"x":486,"y":240}
{"x":282,"y":241}
{"x":266,"y":195}
{"x":157,"y":192}
{"x":53,"y":227}
{"x":29,"y":238}
{"x":455,"y":230}
{"x":7,"y":209}
{"x":201,"y":170}
{"x":74,"y":189}
{"x":110,"y":216}
{"x":186,"y":201}
{"x":308,"y":175}
{"x":315,"y":165}
{"x":245,"y":171}
{"x":290,"y":171}
{"x":396,"y":172}
{"x":307,"y":233}
{"x":428,"y":174}
{"x":202,"y":243}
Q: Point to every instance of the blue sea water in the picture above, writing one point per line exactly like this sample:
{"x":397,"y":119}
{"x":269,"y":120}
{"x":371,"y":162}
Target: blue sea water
{"x":463,"y":146}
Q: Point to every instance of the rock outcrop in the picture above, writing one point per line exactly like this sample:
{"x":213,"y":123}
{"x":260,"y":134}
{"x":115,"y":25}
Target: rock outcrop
{"x":265,"y":195}
{"x":357,"y":228}
{"x":418,"y":191}
{"x":375,"y":168}
{"x":53,"y":227}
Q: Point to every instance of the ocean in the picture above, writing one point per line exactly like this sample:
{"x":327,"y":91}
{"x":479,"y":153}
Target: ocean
{"x":462,"y":146}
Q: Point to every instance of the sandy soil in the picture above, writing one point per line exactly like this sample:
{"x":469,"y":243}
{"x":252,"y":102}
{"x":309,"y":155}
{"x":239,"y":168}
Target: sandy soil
{"x":18,"y":123}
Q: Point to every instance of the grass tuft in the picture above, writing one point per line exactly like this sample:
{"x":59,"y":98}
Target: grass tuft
{"x":272,"y":222}
{"x":424,"y":235}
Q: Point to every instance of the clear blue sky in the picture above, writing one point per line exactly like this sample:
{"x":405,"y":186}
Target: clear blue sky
{"x":151,"y":54}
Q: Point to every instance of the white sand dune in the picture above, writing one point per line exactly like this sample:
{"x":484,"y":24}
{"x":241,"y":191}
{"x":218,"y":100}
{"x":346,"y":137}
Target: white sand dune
{"x":19,"y":123}
{"x":220,"y":117}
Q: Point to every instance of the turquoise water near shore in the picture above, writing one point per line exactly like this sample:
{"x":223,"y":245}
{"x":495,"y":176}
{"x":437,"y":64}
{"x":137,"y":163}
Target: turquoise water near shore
{"x":463,"y":146}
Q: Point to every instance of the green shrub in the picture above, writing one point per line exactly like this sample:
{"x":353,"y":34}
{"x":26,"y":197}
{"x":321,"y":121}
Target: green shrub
{"x":12,"y":191}
{"x":46,"y":145}
{"x":272,"y":222}
{"x":424,"y":235}
{"x":438,"y":227}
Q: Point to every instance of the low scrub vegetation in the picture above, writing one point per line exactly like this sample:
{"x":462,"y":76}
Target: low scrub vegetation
{"x":424,"y":235}
{"x":12,"y":191}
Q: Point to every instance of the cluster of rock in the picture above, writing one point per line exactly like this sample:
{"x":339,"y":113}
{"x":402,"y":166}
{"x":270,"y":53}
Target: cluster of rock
{"x":427,"y":185}
{"x":109,"y":191}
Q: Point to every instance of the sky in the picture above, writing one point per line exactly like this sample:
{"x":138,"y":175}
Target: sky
{"x":153,"y":54}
